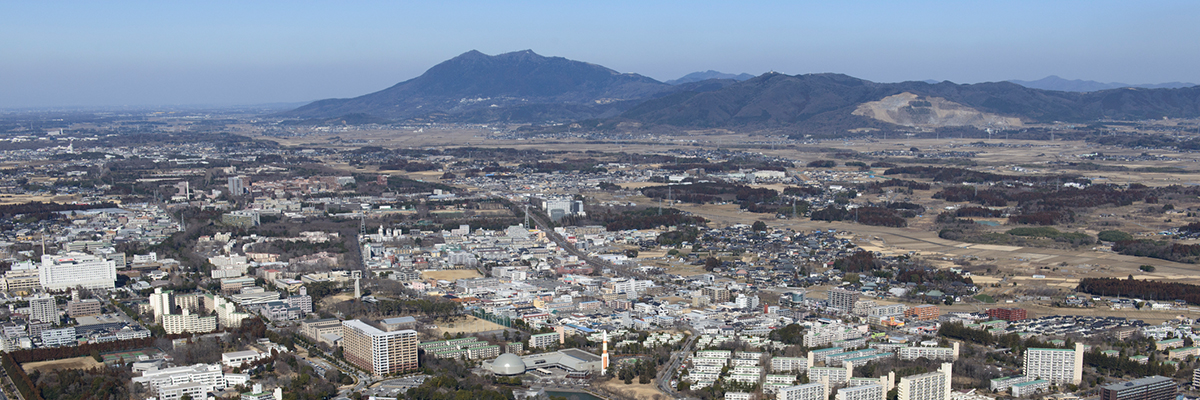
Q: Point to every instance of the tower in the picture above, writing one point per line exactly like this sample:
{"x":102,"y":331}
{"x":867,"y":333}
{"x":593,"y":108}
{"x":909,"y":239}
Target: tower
{"x":356,"y":275}
{"x":604,"y":354}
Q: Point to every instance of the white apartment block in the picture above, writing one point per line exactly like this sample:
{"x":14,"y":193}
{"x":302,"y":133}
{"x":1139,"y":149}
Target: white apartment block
{"x":65,"y":271}
{"x":188,"y":323}
{"x":836,"y":375}
{"x":543,"y":340}
{"x":43,"y":308}
{"x":1059,"y":366}
{"x":931,"y":386}
{"x":865,"y":392}
{"x":784,"y":379}
{"x":737,"y":396}
{"x":788,"y":364}
{"x":811,"y":391}
{"x":932,"y":353}
{"x":823,"y":335}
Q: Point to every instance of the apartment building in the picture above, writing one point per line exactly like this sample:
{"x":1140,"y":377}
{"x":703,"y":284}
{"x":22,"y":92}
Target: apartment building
{"x":1059,"y":366}
{"x":377,"y":351}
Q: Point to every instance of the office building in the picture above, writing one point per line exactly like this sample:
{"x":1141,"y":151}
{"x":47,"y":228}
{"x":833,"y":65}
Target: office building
{"x":43,"y":308}
{"x":931,"y":386}
{"x":173,"y":383}
{"x":83,"y":308}
{"x":316,"y":329}
{"x":22,"y":277}
{"x":66,"y":271}
{"x":377,"y":351}
{"x":843,"y":299}
{"x":1148,"y":388}
{"x":1059,"y":366}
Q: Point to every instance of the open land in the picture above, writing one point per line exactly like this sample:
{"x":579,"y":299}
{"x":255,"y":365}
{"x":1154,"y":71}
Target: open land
{"x":85,"y":362}
{"x":450,"y":274}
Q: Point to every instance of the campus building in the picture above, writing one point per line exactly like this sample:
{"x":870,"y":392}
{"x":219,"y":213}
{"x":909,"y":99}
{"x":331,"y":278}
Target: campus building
{"x":66,"y":271}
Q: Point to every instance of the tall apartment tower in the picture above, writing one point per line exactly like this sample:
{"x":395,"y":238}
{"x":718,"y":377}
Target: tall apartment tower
{"x":237,"y":185}
{"x":43,"y":308}
{"x":1059,"y":366}
{"x":843,"y":299}
{"x":378,"y":351}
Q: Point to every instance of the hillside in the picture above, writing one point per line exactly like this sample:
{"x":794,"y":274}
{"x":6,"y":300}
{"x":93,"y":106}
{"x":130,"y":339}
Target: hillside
{"x":1054,"y":82}
{"x":819,"y":101}
{"x":523,"y":80}
{"x":706,"y":75}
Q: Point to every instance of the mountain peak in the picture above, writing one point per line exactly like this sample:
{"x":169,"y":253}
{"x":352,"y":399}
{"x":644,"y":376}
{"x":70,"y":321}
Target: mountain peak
{"x":706,"y":75}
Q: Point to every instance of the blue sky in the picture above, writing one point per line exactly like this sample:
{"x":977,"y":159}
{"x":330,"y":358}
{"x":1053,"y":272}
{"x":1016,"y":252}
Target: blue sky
{"x":126,"y":53}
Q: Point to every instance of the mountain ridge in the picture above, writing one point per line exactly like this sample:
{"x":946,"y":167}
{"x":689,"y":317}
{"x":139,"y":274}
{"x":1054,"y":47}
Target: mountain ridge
{"x":1054,"y":82}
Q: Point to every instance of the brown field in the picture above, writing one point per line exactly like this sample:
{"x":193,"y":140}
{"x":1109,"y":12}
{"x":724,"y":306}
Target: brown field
{"x":465,"y":324}
{"x":634,"y":390}
{"x":22,"y":198}
{"x":450,"y":274}
{"x":85,"y":362}
{"x":337,"y":298}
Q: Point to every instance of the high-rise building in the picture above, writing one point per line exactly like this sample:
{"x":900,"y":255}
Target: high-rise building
{"x":809,"y":391}
{"x":188,"y":322}
{"x":843,"y":299}
{"x":1059,"y":366}
{"x":377,"y":351}
{"x":160,"y":303}
{"x":237,"y":186}
{"x":66,"y":271}
{"x":1148,"y":388}
{"x":716,"y":294}
{"x":931,"y":386}
{"x":43,"y":308}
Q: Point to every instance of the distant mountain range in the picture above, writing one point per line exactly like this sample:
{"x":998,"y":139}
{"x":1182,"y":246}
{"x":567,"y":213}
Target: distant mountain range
{"x":706,"y":75}
{"x":524,"y":87}
{"x":1054,"y":82}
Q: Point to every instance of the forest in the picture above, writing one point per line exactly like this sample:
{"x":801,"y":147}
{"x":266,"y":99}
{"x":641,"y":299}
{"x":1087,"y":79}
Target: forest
{"x":1184,"y":253}
{"x":1142,"y":289}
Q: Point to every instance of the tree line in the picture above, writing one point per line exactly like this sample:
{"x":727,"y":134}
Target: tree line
{"x":1144,"y":289}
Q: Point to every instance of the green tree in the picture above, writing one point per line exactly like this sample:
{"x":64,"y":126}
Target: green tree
{"x":759,"y":226}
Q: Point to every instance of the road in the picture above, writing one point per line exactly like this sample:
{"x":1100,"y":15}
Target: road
{"x":664,"y":376}
{"x":594,"y":262}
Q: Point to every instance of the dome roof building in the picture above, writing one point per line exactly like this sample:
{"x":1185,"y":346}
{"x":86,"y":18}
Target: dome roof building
{"x":508,"y":364}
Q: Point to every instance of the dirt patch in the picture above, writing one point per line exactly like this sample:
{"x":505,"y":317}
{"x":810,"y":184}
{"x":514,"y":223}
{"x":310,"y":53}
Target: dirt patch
{"x":465,"y":324}
{"x":634,"y":390}
{"x":85,"y":362}
{"x":450,"y":274}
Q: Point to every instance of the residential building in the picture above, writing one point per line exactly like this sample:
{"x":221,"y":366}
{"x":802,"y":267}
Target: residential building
{"x":924,"y":312}
{"x":932,"y":353}
{"x":66,"y":271}
{"x":1059,"y":366}
{"x":188,"y":323}
{"x":843,"y":299}
{"x":377,"y":351}
{"x":543,"y":340}
{"x":1148,"y":388}
{"x":930,"y":386}
{"x":810,"y":391}
{"x":43,"y":308}
{"x":1029,"y":388}
{"x":1007,"y":314}
{"x":873,"y":391}
{"x":788,"y":364}
{"x":1002,"y":384}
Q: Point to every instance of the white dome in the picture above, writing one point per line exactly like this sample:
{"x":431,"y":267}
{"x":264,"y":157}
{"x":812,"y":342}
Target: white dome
{"x":508,"y":364}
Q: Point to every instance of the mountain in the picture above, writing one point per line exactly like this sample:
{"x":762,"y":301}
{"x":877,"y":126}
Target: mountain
{"x":1054,"y":82}
{"x":523,"y":83}
{"x":706,"y":75}
{"x":840,"y":102}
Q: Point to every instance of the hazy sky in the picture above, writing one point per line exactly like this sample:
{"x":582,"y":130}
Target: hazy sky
{"x":114,"y":53}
